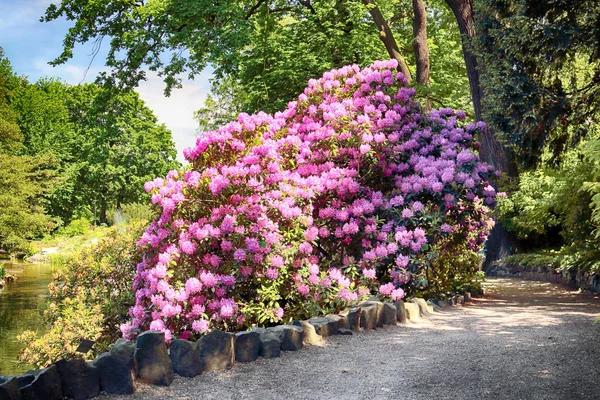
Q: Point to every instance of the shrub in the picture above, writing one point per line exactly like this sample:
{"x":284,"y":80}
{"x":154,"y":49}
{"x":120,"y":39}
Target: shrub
{"x":286,"y":216}
{"x":2,"y":271}
{"x":76,"y":227}
{"x":554,"y":210}
{"x":130,"y":213}
{"x":89,"y":299}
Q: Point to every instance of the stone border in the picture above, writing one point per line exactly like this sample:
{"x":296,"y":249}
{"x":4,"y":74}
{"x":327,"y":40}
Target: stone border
{"x":577,"y":279}
{"x":149,"y":360}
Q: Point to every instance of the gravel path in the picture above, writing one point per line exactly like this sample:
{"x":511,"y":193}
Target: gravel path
{"x":525,"y":340}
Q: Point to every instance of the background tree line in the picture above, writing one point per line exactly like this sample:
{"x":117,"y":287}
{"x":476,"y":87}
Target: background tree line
{"x":528,"y":68}
{"x":70,"y":152}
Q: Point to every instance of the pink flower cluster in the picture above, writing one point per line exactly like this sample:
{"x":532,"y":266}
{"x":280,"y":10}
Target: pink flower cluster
{"x":323,"y":203}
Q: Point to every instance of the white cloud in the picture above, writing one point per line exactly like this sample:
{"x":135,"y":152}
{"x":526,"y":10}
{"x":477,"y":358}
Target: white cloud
{"x":70,"y":73}
{"x":177,"y":111}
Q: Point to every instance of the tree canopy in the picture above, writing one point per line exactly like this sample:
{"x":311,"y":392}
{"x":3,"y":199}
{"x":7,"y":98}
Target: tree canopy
{"x":71,"y":152}
{"x":541,"y":72}
{"x":269,"y":48}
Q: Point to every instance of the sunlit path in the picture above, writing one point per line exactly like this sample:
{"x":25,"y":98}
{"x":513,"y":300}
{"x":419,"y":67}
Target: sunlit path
{"x":525,"y":340}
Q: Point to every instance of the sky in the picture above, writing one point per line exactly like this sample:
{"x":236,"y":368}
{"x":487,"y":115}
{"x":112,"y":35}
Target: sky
{"x":30,"y":44}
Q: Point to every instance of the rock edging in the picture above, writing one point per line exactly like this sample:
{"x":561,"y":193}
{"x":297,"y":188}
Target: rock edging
{"x":575,"y":279}
{"x":149,"y":360}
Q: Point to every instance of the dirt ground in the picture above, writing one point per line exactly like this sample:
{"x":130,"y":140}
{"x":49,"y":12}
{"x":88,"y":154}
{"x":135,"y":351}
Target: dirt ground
{"x":524,"y":340}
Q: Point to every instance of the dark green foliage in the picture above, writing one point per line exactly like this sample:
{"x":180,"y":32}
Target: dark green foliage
{"x":540,"y":72}
{"x":72,"y":152}
{"x":286,"y":49}
{"x":557,"y":207}
{"x":23,"y":181}
{"x":122,"y":146}
{"x":106,"y":145}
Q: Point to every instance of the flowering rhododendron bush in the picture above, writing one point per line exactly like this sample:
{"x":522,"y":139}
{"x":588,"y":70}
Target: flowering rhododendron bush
{"x":300,"y":213}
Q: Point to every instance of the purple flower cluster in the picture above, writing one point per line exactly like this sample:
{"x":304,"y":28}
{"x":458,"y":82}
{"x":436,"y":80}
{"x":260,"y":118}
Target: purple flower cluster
{"x":321,"y":203}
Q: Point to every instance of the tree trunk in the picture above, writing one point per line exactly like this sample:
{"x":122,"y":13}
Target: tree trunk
{"x":386,"y":36}
{"x":499,"y":244}
{"x":420,"y":42}
{"x":103,"y":213}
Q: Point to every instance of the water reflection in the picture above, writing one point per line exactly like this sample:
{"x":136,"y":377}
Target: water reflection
{"x":21,"y":306}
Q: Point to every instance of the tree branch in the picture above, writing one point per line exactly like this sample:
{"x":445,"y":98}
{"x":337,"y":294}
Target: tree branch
{"x":386,"y":36}
{"x":306,"y":3}
{"x":253,"y":9}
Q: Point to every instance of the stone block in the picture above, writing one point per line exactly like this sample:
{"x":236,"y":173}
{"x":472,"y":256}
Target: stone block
{"x":290,"y":336}
{"x":338,"y":321}
{"x":324,"y":326}
{"x":441,"y":303}
{"x":352,"y":317}
{"x":368,"y":319}
{"x":152,"y":361}
{"x":379,"y":311}
{"x":116,"y":368}
{"x":217,"y":350}
{"x":47,"y":385}
{"x":247,"y":346}
{"x":80,"y":380}
{"x":9,"y":388}
{"x":412,"y":312}
{"x":423,"y":309}
{"x":26,"y":378}
{"x":401,"y":315}
{"x":270,"y":346}
{"x":390,"y":314}
{"x":185,"y":358}
{"x":310,"y":336}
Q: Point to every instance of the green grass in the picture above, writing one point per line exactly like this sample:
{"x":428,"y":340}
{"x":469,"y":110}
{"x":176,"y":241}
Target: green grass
{"x":68,"y":246}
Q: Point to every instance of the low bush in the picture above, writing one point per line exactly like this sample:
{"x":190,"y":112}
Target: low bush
{"x":76,"y":227}
{"x":89,"y":299}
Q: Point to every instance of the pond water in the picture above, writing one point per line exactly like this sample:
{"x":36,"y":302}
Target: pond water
{"x":21,"y":305}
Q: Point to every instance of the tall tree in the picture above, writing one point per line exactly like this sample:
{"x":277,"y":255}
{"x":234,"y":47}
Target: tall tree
{"x":23,"y":179}
{"x":492,"y":150}
{"x":420,"y":41}
{"x":106,"y":144}
{"x":387,"y":37}
{"x":123,"y":146}
{"x":542,"y":72}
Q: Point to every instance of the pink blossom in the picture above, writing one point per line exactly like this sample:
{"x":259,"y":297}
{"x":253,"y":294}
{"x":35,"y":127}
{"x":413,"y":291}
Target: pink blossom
{"x":239,"y":255}
{"x":272,"y":273}
{"x":200,"y":325}
{"x":208,"y":279}
{"x":369,"y":273}
{"x":303,"y":289}
{"x":386,"y":289}
{"x":278,"y":312}
{"x":397,"y":294}
{"x":305,"y":248}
